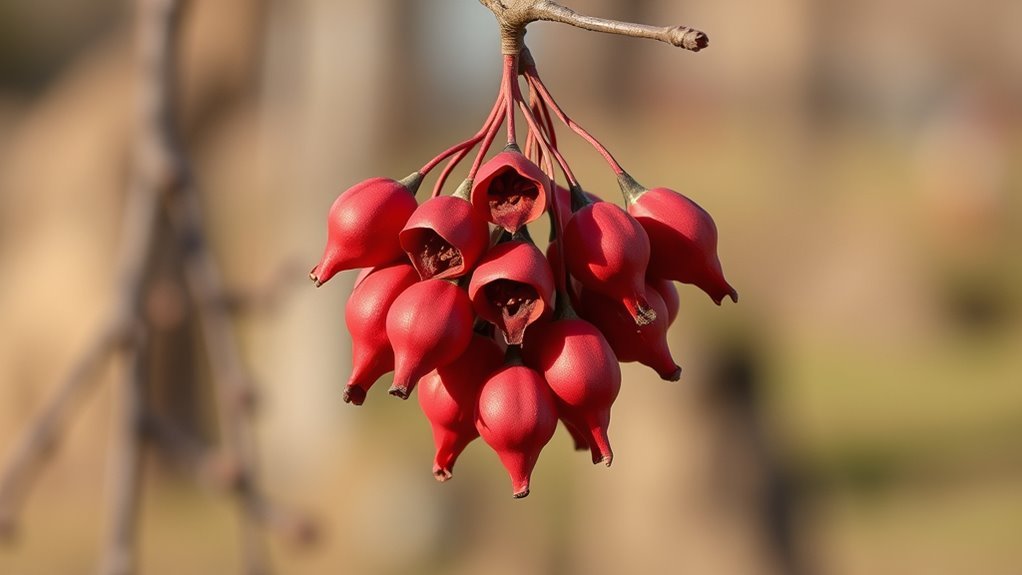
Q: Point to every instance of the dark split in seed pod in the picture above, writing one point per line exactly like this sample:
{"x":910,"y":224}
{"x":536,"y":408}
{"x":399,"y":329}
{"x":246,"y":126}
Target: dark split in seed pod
{"x":510,"y":190}
{"x":512,"y":287}
{"x":445,"y":237}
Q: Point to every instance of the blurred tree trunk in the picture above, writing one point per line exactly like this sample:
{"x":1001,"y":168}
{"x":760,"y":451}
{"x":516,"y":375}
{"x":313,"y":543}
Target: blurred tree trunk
{"x":61,"y":270}
{"x":327,"y":96}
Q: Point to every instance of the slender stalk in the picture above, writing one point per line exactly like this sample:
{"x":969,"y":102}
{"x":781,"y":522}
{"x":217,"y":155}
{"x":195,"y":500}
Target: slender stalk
{"x":511,"y":83}
{"x":532,"y":150}
{"x":485,"y":146}
{"x":537,"y":84}
{"x":546,"y":147}
{"x":547,"y":121}
{"x":547,"y":154}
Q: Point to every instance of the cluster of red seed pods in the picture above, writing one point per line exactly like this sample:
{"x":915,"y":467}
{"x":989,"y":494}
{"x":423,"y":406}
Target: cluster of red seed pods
{"x":444,"y":277}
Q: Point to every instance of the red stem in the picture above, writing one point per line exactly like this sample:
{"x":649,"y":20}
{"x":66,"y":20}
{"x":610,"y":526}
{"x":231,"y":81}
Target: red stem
{"x":487,"y":141}
{"x":551,"y":133}
{"x":510,"y":86}
{"x":532,"y":150}
{"x":546,"y":147}
{"x":548,"y":153}
{"x":537,"y":84}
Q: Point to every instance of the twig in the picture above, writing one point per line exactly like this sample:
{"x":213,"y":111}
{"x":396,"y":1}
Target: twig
{"x":235,"y":396}
{"x":221,"y":474}
{"x":152,"y":174}
{"x":119,"y":557}
{"x":161,"y":180}
{"x":515,"y":15}
{"x":680,"y":36}
{"x":41,"y":437}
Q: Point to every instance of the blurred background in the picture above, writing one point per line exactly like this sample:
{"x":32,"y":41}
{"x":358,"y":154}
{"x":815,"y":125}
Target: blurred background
{"x":859,"y":412}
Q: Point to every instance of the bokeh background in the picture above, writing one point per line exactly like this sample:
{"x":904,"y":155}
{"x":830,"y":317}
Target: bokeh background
{"x":859,"y":412}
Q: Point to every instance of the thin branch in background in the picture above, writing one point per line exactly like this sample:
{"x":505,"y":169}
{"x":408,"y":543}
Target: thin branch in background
{"x":40,"y":438}
{"x":161,"y":187}
{"x":119,"y":556}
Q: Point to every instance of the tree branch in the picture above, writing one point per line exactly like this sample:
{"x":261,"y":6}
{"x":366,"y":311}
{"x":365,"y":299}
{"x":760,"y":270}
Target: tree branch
{"x":161,"y":183}
{"x":119,"y":556}
{"x":514,"y":15}
{"x":680,"y":36}
{"x":42,"y":435}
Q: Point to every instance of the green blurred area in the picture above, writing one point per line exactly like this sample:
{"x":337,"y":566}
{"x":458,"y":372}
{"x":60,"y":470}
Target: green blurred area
{"x":862,"y":163}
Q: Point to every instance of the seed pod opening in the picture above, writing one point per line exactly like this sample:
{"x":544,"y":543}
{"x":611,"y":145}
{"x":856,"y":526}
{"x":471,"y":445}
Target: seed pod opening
{"x":512,"y":288}
{"x":444,"y":237}
{"x":510,"y":190}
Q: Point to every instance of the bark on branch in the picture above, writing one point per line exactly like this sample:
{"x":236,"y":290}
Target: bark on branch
{"x":515,"y":15}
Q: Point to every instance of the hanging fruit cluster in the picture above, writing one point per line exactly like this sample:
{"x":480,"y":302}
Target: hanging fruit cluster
{"x":501,"y":339}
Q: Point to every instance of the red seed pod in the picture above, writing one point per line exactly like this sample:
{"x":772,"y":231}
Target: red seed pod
{"x":512,"y":287}
{"x":510,"y":190}
{"x":429,"y":325}
{"x":645,"y":344}
{"x":366,"y":317}
{"x":448,"y":396}
{"x":607,"y":251}
{"x":581,"y":369}
{"x":517,"y":416}
{"x":669,"y":293}
{"x":683,"y":240}
{"x":444,"y":237}
{"x":363,"y":224}
{"x":563,"y":196}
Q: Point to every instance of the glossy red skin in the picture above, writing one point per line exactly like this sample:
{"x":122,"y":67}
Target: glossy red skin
{"x":607,"y":251}
{"x":669,"y":293}
{"x":448,"y":397}
{"x":362,"y":227}
{"x":366,"y":317}
{"x":525,"y":168}
{"x":429,"y":325}
{"x":563,"y":196}
{"x":456,"y":221}
{"x":517,"y":416}
{"x":516,"y":261}
{"x":582,"y":371}
{"x":683,"y":240}
{"x":645,"y":344}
